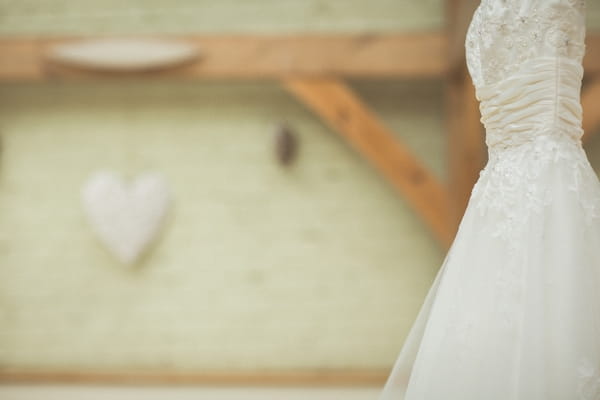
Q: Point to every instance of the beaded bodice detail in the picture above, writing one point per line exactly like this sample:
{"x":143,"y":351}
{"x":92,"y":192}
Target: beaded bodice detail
{"x":513,"y":312}
{"x":505,"y":34}
{"x":525,"y":59}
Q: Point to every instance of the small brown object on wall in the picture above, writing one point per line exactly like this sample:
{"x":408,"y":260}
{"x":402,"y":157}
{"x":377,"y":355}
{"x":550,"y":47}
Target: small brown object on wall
{"x":286,"y":145}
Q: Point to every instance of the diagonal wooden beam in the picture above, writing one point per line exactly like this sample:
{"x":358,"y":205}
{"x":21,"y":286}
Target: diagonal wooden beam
{"x":343,"y":111}
{"x":590,"y":101}
{"x":254,"y":56}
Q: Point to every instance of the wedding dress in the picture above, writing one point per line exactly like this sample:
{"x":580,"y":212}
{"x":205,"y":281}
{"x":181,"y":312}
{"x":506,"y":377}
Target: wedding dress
{"x":514,"y":312}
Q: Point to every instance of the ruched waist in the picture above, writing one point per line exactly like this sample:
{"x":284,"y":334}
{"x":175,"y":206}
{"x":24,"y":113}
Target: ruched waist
{"x":542,"y":99}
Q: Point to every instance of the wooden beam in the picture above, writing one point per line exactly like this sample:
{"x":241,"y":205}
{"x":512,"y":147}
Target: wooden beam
{"x":591,"y":61}
{"x":343,"y":111}
{"x":466,"y":138}
{"x":458,"y":17}
{"x":250,"y":57}
{"x":465,"y":143}
{"x":590,"y":101}
{"x":428,"y":55}
{"x":258,"y":378}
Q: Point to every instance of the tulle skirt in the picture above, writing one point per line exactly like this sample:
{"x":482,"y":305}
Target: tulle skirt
{"x":514,"y":312}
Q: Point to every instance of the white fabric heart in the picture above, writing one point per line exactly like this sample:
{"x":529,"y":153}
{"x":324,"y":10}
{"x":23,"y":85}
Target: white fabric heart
{"x":126,"y":217}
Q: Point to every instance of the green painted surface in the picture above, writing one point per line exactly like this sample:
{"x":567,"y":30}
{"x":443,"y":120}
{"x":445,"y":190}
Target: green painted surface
{"x":188,"y":16}
{"x":321,"y":265}
{"x":203,"y":16}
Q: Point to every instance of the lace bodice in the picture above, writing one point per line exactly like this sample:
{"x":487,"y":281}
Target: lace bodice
{"x":525,"y":59}
{"x":506,"y":34}
{"x":513,"y":311}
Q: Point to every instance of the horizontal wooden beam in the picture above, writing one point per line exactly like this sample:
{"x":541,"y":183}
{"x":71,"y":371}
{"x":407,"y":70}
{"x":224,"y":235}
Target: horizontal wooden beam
{"x":428,"y":55}
{"x":300,"y":378}
{"x":343,"y":111}
{"x":254,"y":56}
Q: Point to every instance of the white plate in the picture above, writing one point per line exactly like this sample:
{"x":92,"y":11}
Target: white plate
{"x":123,"y":54}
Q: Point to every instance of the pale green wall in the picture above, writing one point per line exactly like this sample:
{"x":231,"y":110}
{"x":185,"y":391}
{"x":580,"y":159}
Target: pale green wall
{"x":273,"y":16}
{"x":167,"y":16}
{"x":319,"y":266}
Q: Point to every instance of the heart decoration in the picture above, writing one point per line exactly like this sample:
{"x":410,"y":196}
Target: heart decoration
{"x":127,"y":217}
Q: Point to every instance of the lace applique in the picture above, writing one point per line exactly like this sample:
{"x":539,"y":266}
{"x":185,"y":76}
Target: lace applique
{"x":503,"y":34}
{"x":508,"y":186}
{"x":512,"y":188}
{"x":534,"y":47}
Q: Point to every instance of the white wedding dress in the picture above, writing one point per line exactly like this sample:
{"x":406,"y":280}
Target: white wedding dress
{"x":514,"y":313}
